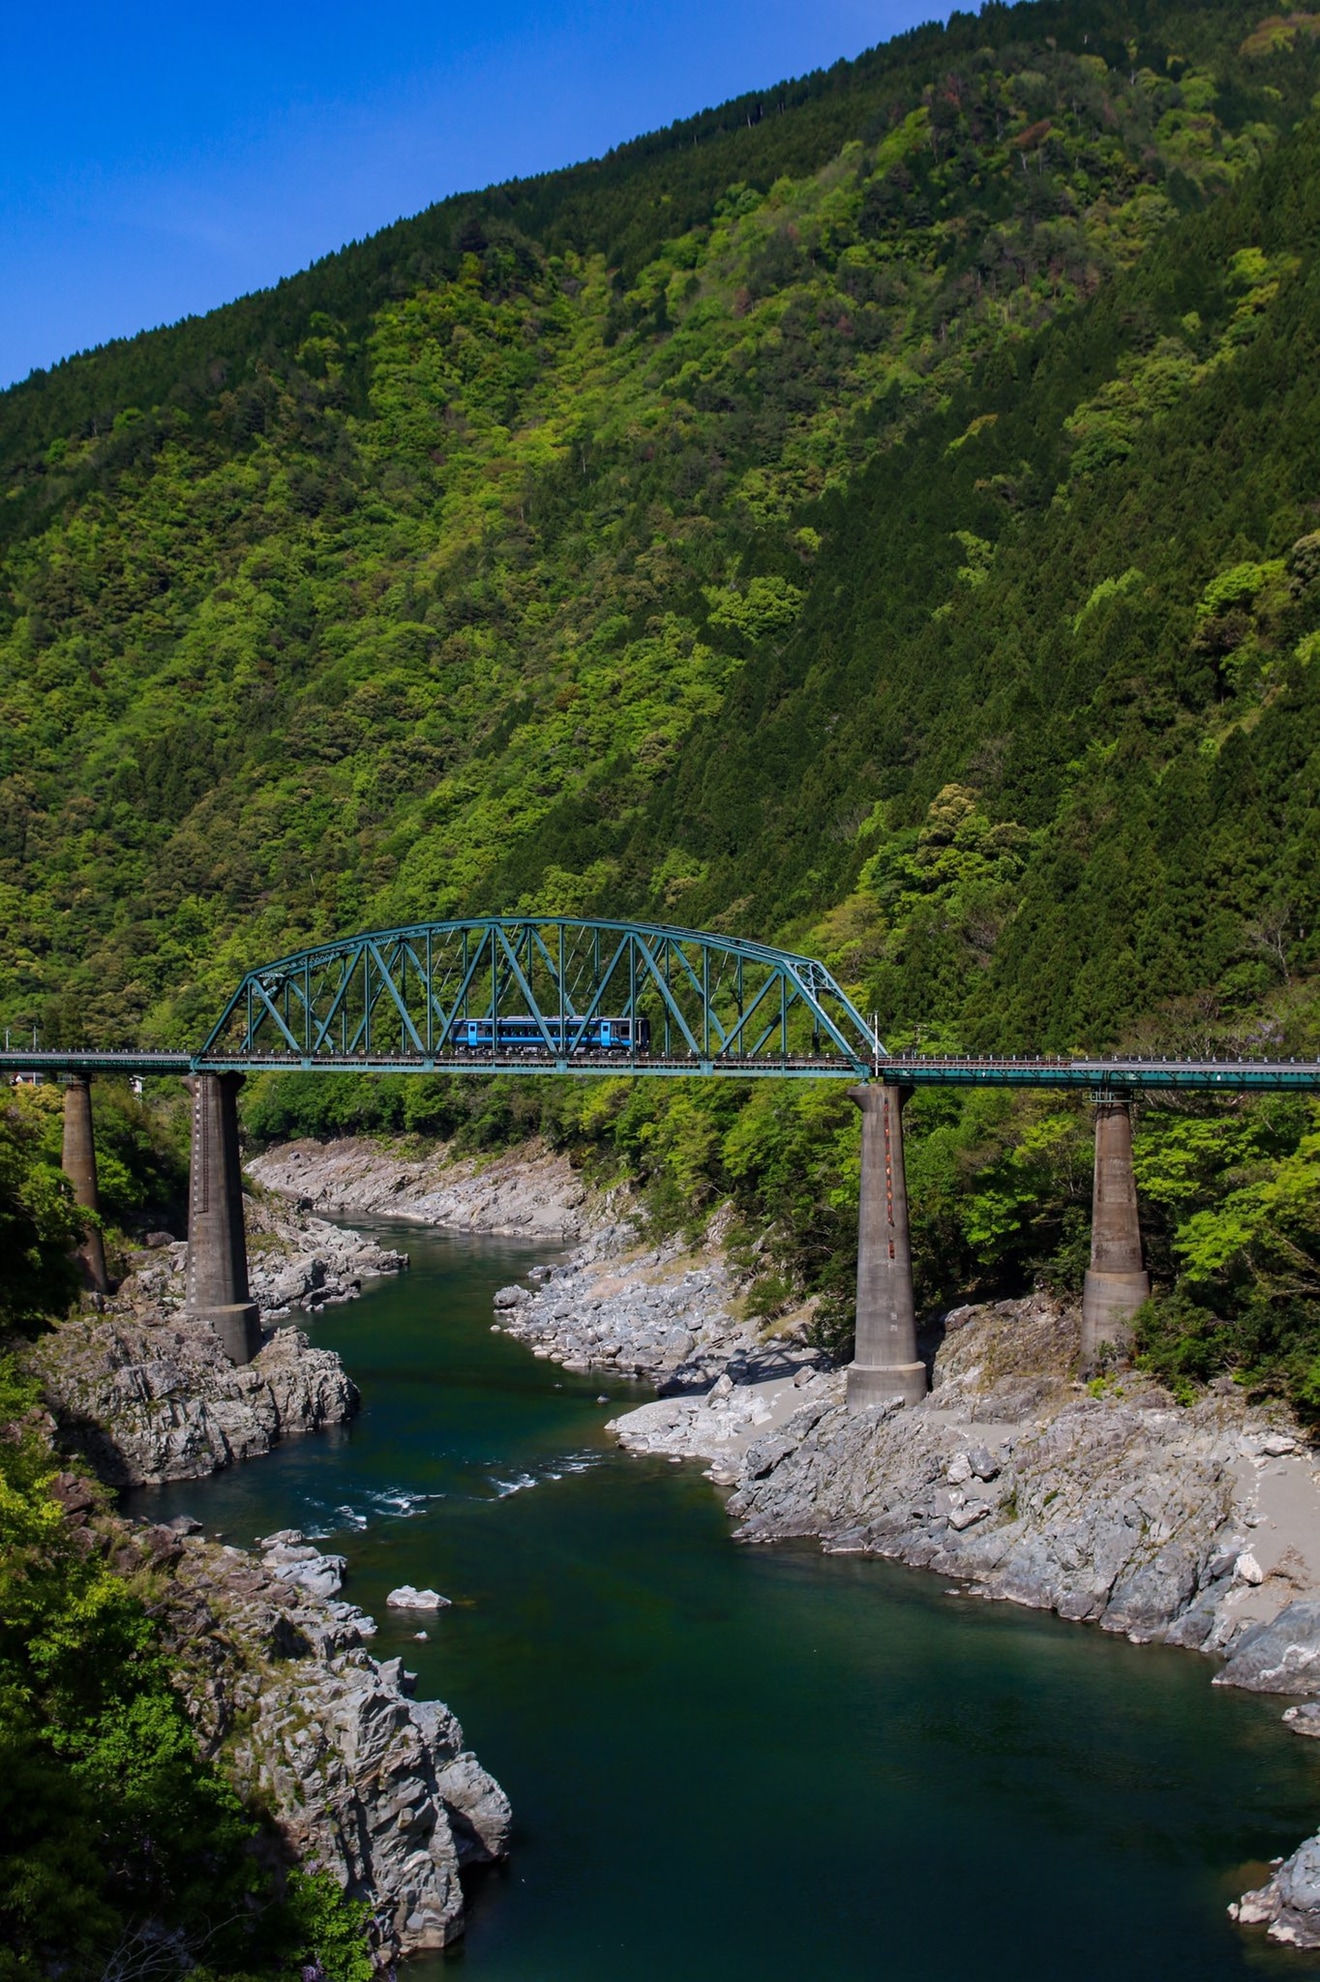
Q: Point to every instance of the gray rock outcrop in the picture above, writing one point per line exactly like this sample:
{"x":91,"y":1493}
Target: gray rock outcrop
{"x":529,"y":1193}
{"x":150,"y":1402}
{"x":1289,"y":1902}
{"x":662,"y":1312}
{"x":1282,"y":1656}
{"x":1304,"y":1719}
{"x":145,"y":1393}
{"x":362,"y":1779}
{"x":1098,"y":1513}
{"x":291,"y":1557}
{"x":744,"y":1429}
{"x":408,"y":1598}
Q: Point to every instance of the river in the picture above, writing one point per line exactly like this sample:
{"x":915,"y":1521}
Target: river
{"x":751,"y":1765}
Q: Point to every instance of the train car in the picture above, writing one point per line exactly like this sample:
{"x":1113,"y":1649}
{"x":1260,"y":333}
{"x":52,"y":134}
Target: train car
{"x":524,"y":1035}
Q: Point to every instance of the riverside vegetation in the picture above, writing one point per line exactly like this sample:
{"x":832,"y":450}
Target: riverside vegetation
{"x":147,"y":1824}
{"x":124,"y":1851}
{"x":878,"y":515}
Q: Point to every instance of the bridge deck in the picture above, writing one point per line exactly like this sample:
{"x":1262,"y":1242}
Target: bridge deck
{"x":918,"y":1070}
{"x":1276,"y":1075}
{"x":94,"y":1060}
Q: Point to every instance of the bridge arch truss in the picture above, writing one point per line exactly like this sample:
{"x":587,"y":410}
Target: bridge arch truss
{"x":536,"y":994}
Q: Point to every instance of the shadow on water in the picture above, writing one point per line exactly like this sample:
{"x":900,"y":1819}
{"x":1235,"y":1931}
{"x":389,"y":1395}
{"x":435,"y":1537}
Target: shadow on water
{"x":754,"y":1764}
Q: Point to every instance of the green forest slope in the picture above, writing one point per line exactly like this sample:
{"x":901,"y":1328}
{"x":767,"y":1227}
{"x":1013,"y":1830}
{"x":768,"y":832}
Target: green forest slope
{"x":669,"y":533}
{"x":881,"y":514}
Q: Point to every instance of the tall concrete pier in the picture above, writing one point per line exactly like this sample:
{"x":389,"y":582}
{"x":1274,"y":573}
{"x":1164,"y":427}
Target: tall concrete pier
{"x":885,"y":1362}
{"x":79,"y":1165}
{"x":217,"y":1242}
{"x":1117,"y":1283}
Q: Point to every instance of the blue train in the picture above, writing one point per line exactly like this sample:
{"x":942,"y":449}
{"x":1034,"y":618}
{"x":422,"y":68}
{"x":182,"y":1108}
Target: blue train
{"x":522,"y":1035}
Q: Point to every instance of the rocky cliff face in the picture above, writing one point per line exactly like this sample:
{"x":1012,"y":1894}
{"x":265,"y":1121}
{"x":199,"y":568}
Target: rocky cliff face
{"x":362,"y":1779}
{"x":145,"y":1402}
{"x":1113,"y":1506}
{"x":147,"y":1394}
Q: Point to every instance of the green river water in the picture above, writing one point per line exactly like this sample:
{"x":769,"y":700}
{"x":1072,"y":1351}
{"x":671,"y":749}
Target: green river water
{"x":750,"y":1765}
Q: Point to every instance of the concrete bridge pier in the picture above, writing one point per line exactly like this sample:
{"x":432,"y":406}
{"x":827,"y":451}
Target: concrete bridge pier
{"x":885,"y":1362}
{"x":78,"y":1163}
{"x":1118,"y":1282}
{"x":217,"y":1243}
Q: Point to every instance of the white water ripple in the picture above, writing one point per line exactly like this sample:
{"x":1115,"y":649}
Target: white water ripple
{"x":556,"y":1469}
{"x":386,"y":1503}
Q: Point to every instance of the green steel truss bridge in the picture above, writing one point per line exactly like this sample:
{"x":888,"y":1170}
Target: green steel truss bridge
{"x":559,"y":994}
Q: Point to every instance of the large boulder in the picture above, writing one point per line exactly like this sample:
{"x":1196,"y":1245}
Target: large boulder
{"x":1279,"y":1657}
{"x":361,"y":1779}
{"x":1289,"y":1903}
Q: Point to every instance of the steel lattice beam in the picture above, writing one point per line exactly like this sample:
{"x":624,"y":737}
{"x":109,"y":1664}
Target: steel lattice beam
{"x":531,"y":993}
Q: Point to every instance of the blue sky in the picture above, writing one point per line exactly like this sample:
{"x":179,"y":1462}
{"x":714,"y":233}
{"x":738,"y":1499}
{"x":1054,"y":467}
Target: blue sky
{"x":159,"y":159}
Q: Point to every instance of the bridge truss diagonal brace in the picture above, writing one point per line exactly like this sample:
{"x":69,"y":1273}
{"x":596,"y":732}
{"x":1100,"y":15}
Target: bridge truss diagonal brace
{"x":733,"y":1038}
{"x":557,"y":974}
{"x":671,"y":1003}
{"x":347,"y":967}
{"x":701,"y":985}
{"x":370,"y":999}
{"x":603,"y":983}
{"x":471,"y":968}
{"x":387,"y":979}
{"x":809,"y":996}
{"x":275,"y":1012}
{"x":533,"y":1008}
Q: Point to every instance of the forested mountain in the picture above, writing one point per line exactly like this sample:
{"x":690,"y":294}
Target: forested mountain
{"x":669,"y":534}
{"x":881,"y":514}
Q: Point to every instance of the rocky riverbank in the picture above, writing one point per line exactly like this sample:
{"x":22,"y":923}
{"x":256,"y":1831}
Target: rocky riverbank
{"x":360,"y":1778}
{"x":528,"y":1193}
{"x":1196,"y":1526}
{"x":146,"y":1402}
{"x":146,"y":1394}
{"x":1108,"y":1504}
{"x":661,"y":1312}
